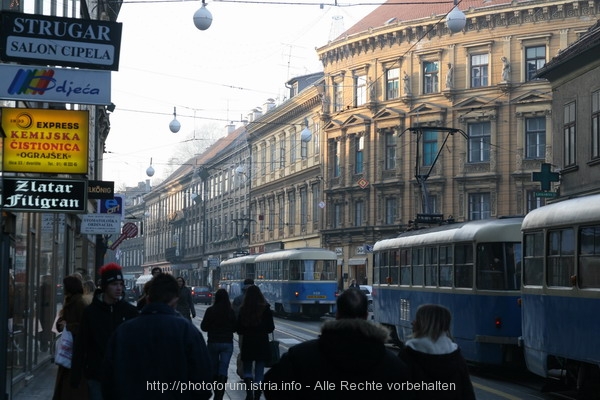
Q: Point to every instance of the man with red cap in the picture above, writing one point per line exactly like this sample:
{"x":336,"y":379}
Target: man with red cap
{"x":107,"y":311}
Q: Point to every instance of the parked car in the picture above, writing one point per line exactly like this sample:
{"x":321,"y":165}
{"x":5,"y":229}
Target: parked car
{"x":368,"y":289}
{"x":202,"y":294}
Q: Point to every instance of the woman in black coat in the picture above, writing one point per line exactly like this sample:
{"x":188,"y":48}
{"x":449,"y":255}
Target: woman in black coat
{"x":185,"y":304}
{"x":255,"y":323}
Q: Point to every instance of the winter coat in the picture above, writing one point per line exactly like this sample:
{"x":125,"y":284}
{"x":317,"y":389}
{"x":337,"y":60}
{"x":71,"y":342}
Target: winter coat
{"x":255,"y":345}
{"x":348,"y":351}
{"x":97,"y":324}
{"x":158,"y":347}
{"x":185,"y":304}
{"x":220,"y":325}
{"x":439,"y":361}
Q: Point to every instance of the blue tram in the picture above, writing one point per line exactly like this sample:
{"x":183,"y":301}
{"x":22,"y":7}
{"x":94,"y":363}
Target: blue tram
{"x":234,"y":271}
{"x":298,"y":281}
{"x":472,"y":268}
{"x":561,"y":290}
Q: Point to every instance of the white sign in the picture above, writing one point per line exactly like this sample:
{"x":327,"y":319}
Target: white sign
{"x":52,"y":84}
{"x":100,"y":224}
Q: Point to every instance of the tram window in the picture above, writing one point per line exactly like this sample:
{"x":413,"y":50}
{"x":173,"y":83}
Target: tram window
{"x":308,"y":270}
{"x":249,"y":271}
{"x":417,"y":267}
{"x":294,"y":270}
{"x":463,"y":267}
{"x":445,"y":266}
{"x":513,"y":265}
{"x":380,"y":271}
{"x":491,"y":267}
{"x":394,"y":263}
{"x":329,"y":269}
{"x":589,"y":257}
{"x":405,"y":270}
{"x":431,"y":266}
{"x":561,"y":257}
{"x":533,"y":259}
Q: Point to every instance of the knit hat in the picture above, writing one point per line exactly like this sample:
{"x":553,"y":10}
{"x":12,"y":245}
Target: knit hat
{"x":109,"y":273}
{"x":248,"y":282}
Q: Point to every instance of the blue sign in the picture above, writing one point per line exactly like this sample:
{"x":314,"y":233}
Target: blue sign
{"x":112,"y":206}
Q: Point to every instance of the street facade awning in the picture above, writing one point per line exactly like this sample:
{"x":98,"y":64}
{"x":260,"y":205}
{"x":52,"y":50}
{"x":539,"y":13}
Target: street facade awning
{"x":357,"y":261}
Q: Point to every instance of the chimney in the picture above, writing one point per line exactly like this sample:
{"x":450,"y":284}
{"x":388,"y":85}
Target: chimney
{"x":230,"y":127}
{"x":269,"y":105}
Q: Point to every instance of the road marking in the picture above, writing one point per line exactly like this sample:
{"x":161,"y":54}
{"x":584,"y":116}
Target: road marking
{"x":494,"y":391}
{"x":289,"y":342}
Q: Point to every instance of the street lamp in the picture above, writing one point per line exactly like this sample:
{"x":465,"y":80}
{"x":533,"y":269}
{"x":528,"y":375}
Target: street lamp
{"x":305,"y":134}
{"x":456,"y":19}
{"x":150,"y":169}
{"x":174,"y":125}
{"x":202,"y":18}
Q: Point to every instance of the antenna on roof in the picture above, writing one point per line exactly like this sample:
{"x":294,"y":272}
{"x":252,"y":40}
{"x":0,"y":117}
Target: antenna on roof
{"x":337,"y":27}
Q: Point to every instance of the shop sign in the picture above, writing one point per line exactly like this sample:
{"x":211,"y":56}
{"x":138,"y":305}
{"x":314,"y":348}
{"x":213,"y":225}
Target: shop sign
{"x":51,"y":84}
{"x":45,"y":141}
{"x":100,"y":224}
{"x":50,"y":40}
{"x":44,"y":195}
{"x":101,"y":190}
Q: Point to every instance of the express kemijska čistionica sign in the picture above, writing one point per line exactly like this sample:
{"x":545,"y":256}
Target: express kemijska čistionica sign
{"x":45,"y":141}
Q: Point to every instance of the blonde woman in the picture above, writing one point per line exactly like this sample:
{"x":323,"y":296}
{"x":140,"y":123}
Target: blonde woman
{"x":432,"y":356}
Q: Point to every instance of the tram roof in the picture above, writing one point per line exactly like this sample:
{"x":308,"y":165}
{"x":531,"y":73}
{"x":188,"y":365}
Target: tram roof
{"x":580,"y":210}
{"x":304,"y":253}
{"x":247,"y":259}
{"x":487,"y":230}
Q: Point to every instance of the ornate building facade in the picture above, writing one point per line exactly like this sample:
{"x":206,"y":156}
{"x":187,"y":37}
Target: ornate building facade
{"x":421,"y":124}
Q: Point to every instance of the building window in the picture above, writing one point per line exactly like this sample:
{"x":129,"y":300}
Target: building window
{"x":359,"y":147}
{"x":431,"y":76}
{"x":263,"y":159}
{"x":479,"y":142}
{"x":316,"y":138}
{"x":293,"y":147}
{"x":392,"y":79}
{"x":338,"y":96}
{"x":596,"y":124}
{"x":337,"y":215}
{"x":292,"y":209}
{"x":535,"y":58}
{"x":479,"y":206}
{"x":535,"y":137}
{"x":336,"y":147}
{"x":281,"y":201}
{"x":273,"y":151}
{"x":359,"y":212}
{"x":429,"y":147}
{"x":479,"y":70}
{"x":390,"y":210}
{"x":282,"y":152}
{"x":303,"y":208}
{"x":534,"y":201}
{"x":390,"y":150}
{"x":303,"y":149}
{"x":569,"y":133}
{"x":360,"y":90}
{"x":316,"y":193}
{"x":271,"y":205}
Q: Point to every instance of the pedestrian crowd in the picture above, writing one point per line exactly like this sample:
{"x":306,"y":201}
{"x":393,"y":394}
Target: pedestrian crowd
{"x":153,"y":351}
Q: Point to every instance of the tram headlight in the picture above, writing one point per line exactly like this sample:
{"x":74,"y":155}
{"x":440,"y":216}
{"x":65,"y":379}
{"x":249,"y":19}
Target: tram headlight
{"x":498,"y":322}
{"x":296,"y":294}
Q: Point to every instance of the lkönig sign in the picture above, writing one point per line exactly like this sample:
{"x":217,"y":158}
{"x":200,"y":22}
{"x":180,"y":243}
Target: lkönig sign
{"x":45,"y":141}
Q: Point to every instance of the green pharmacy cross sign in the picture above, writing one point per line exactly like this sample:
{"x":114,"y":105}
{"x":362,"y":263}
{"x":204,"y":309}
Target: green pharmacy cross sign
{"x":545,"y":177}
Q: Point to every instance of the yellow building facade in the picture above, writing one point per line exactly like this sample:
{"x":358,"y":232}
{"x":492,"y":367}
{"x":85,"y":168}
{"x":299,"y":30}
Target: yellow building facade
{"x":422,"y":124}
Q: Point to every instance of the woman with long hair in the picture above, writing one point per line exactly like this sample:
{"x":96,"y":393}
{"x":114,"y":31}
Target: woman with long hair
{"x":219,"y":323}
{"x":255,"y":322}
{"x":432,"y":355}
{"x":185,"y":304}
{"x":69,"y":318}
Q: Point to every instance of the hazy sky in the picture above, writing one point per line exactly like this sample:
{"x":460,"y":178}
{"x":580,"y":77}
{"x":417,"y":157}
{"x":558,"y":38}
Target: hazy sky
{"x":213,"y":77}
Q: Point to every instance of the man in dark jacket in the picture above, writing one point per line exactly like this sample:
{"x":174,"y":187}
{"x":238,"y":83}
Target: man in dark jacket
{"x":158,"y":355}
{"x":348,"y":361}
{"x":99,"y":320}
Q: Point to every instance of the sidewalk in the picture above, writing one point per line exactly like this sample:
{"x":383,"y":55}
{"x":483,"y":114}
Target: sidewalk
{"x":40,"y":386}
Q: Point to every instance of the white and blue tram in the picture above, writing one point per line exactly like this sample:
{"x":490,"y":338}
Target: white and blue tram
{"x":233,"y":272}
{"x":298,"y":281}
{"x":472,"y":268}
{"x":561,"y":290}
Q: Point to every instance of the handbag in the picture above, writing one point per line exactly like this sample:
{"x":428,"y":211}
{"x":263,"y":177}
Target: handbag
{"x":274,"y":349}
{"x":64,"y":349}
